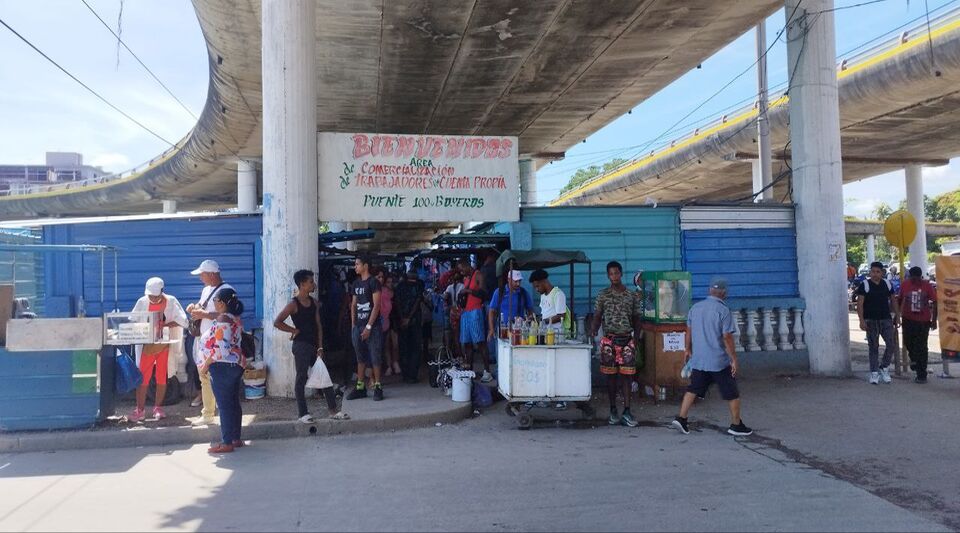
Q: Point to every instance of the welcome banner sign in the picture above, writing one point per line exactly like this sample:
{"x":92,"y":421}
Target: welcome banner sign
{"x":368,"y":177}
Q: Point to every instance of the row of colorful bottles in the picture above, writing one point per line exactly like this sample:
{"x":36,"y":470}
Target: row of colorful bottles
{"x":529,"y":332}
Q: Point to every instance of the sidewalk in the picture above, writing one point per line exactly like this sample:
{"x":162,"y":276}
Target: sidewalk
{"x":404,"y":407}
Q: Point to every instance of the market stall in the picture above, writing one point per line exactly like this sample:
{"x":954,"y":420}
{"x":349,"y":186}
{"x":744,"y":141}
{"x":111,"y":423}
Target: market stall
{"x":55,"y":372}
{"x":535,"y":366}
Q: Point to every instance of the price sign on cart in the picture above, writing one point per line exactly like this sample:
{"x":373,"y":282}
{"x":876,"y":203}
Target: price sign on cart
{"x":674,"y":342}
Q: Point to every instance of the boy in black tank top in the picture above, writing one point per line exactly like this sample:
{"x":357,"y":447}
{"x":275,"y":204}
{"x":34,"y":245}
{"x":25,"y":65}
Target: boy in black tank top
{"x":307,"y":336}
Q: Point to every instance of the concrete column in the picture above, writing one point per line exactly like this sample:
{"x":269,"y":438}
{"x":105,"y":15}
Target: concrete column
{"x":918,"y":249}
{"x":169,"y":207}
{"x":528,"y":182}
{"x":871,"y":248}
{"x":757,"y":175}
{"x":246,"y":186}
{"x":817,"y":183}
{"x":289,"y":169}
{"x":763,"y":122}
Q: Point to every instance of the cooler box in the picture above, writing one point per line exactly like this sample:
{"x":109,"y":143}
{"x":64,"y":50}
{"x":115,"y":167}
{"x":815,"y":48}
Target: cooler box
{"x":559,"y":372}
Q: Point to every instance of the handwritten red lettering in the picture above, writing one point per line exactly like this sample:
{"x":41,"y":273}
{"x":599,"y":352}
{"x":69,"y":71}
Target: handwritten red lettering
{"x":361,"y":146}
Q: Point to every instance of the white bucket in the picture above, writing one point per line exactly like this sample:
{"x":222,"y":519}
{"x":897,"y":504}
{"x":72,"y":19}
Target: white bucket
{"x":462,"y":385}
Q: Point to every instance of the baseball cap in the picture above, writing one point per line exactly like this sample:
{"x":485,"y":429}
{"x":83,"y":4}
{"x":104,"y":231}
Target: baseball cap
{"x":719,"y":284}
{"x":516,"y":275}
{"x":208,"y":265}
{"x":154,"y":287}
{"x":916,"y":272}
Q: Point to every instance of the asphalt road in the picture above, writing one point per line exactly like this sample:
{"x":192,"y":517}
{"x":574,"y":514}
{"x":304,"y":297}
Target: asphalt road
{"x":482,"y":474}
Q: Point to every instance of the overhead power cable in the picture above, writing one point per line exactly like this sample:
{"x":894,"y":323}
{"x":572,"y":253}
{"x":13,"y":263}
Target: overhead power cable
{"x":135,"y":56}
{"x":84,"y":85}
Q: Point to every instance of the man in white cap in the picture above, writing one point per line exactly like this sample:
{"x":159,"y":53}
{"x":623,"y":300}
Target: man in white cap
{"x":156,"y":355}
{"x":205,"y":312}
{"x":507,"y":304}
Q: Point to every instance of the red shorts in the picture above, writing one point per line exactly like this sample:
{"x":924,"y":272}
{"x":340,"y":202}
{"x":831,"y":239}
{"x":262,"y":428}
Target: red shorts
{"x":618,"y":355}
{"x":160,"y":360}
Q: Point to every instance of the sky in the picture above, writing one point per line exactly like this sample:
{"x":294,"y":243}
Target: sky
{"x":42,"y":110}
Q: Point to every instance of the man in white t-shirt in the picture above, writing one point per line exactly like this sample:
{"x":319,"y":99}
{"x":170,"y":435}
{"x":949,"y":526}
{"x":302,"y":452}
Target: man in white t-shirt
{"x":206,"y":312}
{"x":553,"y":303}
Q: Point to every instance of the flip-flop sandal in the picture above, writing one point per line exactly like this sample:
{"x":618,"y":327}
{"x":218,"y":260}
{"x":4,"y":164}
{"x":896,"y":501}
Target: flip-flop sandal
{"x":340,"y":416}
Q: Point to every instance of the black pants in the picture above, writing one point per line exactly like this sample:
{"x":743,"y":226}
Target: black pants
{"x":915,"y":338}
{"x":410,"y":344}
{"x":304,"y":355}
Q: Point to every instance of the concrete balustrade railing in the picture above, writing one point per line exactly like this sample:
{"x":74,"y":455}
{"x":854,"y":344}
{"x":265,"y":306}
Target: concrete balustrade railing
{"x":768,"y":324}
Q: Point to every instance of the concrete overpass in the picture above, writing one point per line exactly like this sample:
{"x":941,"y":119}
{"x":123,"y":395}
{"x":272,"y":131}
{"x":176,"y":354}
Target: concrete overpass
{"x":551,"y":72}
{"x":875,"y":227}
{"x":896,"y":109}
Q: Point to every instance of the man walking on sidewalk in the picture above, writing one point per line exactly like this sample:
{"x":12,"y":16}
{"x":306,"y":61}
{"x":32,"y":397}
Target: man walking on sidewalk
{"x":918,"y":305}
{"x":875,"y":300}
{"x":713,"y":357}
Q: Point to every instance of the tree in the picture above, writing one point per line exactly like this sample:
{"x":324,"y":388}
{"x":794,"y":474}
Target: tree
{"x":584,"y":175}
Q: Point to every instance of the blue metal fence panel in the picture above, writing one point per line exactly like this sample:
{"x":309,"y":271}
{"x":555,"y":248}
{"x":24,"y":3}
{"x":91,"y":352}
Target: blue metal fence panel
{"x":640,"y":238}
{"x":168,"y":248}
{"x":48,"y":390}
{"x":757,"y":263}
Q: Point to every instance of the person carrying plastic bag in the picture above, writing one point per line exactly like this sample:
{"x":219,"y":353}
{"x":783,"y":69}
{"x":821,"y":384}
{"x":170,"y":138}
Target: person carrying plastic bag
{"x":307,"y":336}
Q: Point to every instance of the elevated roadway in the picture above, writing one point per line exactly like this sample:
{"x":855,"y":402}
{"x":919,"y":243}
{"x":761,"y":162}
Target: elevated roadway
{"x":551,"y":72}
{"x":899,"y":106}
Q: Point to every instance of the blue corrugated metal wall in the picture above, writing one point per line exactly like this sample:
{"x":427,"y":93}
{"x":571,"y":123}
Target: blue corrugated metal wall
{"x":756,"y":262}
{"x":638,"y":237}
{"x":169,"y":248}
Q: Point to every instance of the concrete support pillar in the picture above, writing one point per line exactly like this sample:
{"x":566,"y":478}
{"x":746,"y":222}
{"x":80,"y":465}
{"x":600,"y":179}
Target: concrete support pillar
{"x":871,"y":248}
{"x":817,"y":183}
{"x":918,"y":249}
{"x":246,"y":186}
{"x":528,"y":182}
{"x":763,"y":122}
{"x":289,"y":169}
{"x":757,"y":179}
{"x":169,"y":207}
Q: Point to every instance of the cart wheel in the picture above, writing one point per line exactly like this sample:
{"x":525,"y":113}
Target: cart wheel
{"x":510,"y":410}
{"x":525,"y":421}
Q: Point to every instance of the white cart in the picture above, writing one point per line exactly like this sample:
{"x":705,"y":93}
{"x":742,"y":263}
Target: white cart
{"x":555,"y":373}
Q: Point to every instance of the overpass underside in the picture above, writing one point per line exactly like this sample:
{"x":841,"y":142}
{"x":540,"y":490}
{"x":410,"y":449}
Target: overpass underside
{"x":550,"y":72}
{"x":897,"y":109}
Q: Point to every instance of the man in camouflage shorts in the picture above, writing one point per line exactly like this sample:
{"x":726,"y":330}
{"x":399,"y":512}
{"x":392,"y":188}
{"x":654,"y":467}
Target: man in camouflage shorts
{"x":619,"y":310}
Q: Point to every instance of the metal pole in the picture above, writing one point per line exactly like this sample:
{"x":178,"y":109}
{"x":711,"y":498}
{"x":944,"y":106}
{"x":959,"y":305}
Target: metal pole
{"x":101,"y":281}
{"x":116,"y":274}
{"x":763,"y":124}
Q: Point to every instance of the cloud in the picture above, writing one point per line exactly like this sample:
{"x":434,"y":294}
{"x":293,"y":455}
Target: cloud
{"x":111,"y":161}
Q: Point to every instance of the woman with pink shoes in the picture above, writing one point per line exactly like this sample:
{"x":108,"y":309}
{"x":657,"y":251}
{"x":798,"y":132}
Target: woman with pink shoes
{"x":156,"y":356}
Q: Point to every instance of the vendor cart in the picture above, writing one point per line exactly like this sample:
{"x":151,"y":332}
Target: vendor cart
{"x":560,"y":372}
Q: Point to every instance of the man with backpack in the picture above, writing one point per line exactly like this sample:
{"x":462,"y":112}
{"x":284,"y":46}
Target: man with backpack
{"x":875,"y":301}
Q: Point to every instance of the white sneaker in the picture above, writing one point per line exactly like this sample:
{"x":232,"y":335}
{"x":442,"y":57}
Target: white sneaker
{"x":885,"y":376}
{"x":486,"y":378}
{"x":201,"y":421}
{"x":874,"y":378}
{"x":306,"y":419}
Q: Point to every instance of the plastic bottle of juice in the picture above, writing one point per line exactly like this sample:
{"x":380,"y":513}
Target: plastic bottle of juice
{"x":532,"y":333}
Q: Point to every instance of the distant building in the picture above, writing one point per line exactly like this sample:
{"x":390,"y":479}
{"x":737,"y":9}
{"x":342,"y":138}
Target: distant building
{"x":60,"y":167}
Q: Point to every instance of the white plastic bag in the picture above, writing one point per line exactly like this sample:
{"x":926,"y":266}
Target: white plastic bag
{"x":319,"y":377}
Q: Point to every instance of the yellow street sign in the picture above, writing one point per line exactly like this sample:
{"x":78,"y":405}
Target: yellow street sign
{"x":900,"y":229}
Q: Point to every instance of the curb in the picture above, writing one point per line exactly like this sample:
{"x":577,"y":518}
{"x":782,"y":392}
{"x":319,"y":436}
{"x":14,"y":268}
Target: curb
{"x":85,"y":440}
